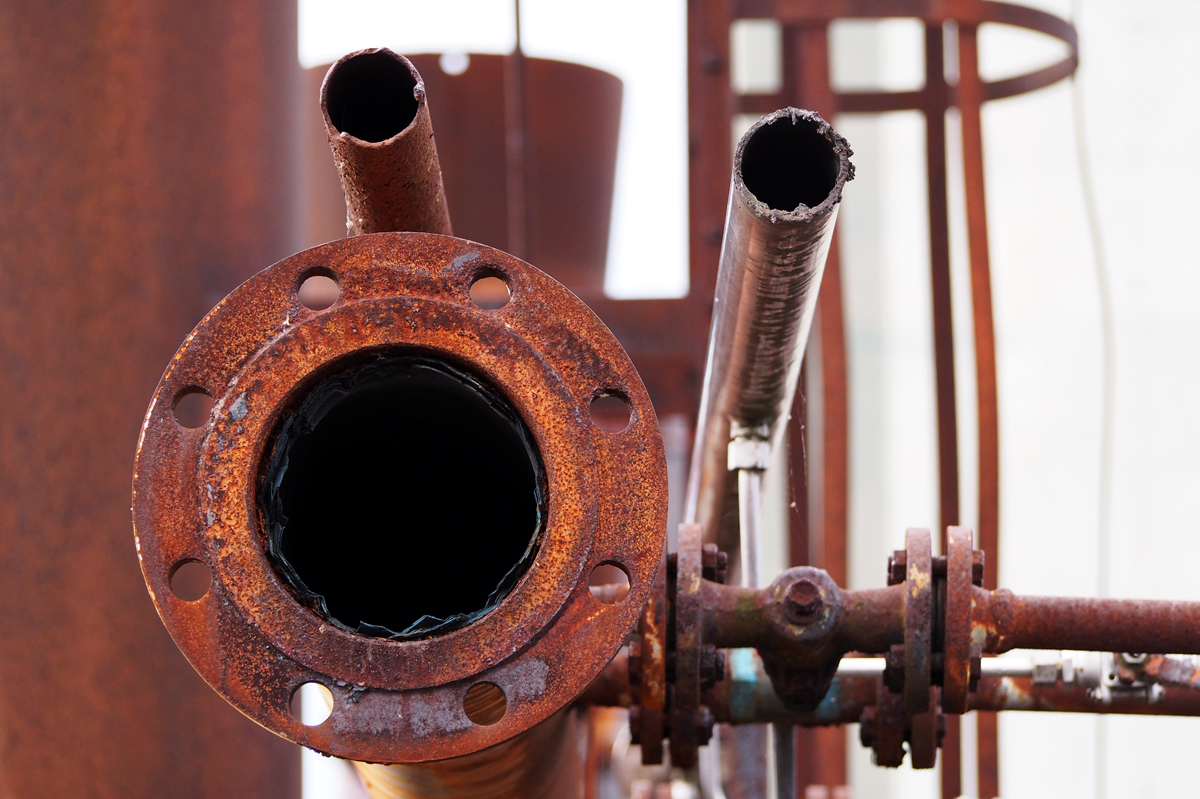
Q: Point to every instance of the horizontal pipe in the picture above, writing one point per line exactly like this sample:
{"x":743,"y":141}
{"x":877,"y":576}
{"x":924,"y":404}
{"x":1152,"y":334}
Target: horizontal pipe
{"x":1019,"y":693}
{"x":989,"y":667}
{"x":378,"y":124}
{"x":871,"y":620}
{"x":1009,"y":622}
{"x":788,"y":174}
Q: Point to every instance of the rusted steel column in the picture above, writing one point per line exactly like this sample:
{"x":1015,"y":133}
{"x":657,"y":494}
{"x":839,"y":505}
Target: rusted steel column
{"x":146,"y":170}
{"x":970,"y":103}
{"x":821,"y":753}
{"x":379,"y":127}
{"x":935,"y":101}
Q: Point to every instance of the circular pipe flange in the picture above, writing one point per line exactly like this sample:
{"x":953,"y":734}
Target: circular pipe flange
{"x":956,"y":670}
{"x":258,"y":354}
{"x":918,"y":621}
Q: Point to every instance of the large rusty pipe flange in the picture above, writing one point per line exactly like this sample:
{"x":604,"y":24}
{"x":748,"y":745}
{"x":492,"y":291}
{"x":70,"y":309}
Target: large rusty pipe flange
{"x":256,"y":636}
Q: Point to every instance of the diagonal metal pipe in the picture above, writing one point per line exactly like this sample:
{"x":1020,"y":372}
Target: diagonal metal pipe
{"x":788,"y":174}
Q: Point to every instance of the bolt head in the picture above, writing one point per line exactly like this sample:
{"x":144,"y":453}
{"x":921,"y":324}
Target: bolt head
{"x":802,"y":601}
{"x":898,"y":567}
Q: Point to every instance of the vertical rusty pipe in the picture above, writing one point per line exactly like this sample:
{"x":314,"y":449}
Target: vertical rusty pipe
{"x":788,"y":174}
{"x":377,"y":120}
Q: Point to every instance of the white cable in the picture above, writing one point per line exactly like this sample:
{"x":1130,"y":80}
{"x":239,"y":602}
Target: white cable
{"x":1108,"y":374}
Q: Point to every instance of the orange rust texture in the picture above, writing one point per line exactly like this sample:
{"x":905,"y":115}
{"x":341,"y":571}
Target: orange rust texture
{"x":394,"y":184}
{"x":144,"y":173}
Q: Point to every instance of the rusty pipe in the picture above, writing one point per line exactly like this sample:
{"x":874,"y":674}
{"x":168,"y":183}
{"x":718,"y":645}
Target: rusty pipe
{"x":1009,"y":621}
{"x":788,"y":174}
{"x":1019,"y":693}
{"x":377,"y":119}
{"x":540,"y":763}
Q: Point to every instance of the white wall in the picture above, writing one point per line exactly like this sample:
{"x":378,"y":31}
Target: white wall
{"x":1139,"y":82}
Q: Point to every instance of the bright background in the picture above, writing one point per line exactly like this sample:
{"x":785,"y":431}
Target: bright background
{"x":1138,"y":87}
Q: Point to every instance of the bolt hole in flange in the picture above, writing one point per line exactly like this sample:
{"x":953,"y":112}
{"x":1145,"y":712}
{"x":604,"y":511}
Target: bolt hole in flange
{"x":609,"y":583}
{"x":490,"y":293}
{"x":318,"y":292}
{"x":193,"y":405}
{"x":190,"y":580}
{"x":485,"y":704}
{"x":610,"y":412}
{"x":404,"y":498}
{"x":312,"y":704}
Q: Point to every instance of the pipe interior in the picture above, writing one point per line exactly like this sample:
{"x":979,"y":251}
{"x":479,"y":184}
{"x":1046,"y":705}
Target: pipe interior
{"x":787,"y":164}
{"x":371,"y":97}
{"x":403,"y":497}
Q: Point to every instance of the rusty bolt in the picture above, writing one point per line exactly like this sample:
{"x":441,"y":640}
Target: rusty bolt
{"x":714,"y":563}
{"x":977,"y":561}
{"x":976,"y":652}
{"x":803,"y":601}
{"x":704,"y":725}
{"x":866,"y":727}
{"x":897,"y":567}
{"x":635,"y":724}
{"x":893,"y":669}
{"x":712,"y":665}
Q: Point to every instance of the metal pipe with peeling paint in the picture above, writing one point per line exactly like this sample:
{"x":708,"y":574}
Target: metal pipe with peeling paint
{"x":377,"y":119}
{"x":788,"y":175}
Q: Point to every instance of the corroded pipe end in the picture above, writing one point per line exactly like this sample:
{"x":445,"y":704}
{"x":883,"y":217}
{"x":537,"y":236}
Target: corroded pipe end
{"x":378,"y":123}
{"x":791,"y":166}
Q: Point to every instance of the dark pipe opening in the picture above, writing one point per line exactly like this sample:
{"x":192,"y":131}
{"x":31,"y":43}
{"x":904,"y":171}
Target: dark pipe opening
{"x":370,"y":96}
{"x":404,"y":498}
{"x":789,"y":163}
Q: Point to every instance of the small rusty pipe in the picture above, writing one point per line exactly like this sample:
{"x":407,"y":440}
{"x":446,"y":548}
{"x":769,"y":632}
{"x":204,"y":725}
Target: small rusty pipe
{"x":378,"y":123}
{"x":1009,"y":621}
{"x":869,"y":620}
{"x":789,"y":170}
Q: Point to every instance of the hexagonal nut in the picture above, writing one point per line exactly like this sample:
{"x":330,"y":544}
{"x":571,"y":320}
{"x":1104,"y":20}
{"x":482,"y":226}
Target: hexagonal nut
{"x":635,"y":665}
{"x":866,"y":727}
{"x":893,"y":669}
{"x":714,"y":564}
{"x":978,"y":559}
{"x":704,"y":725}
{"x":897,"y":567}
{"x":803,"y":605}
{"x":976,"y":652}
{"x":802,"y":601}
{"x":709,"y":671}
{"x":635,"y":724}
